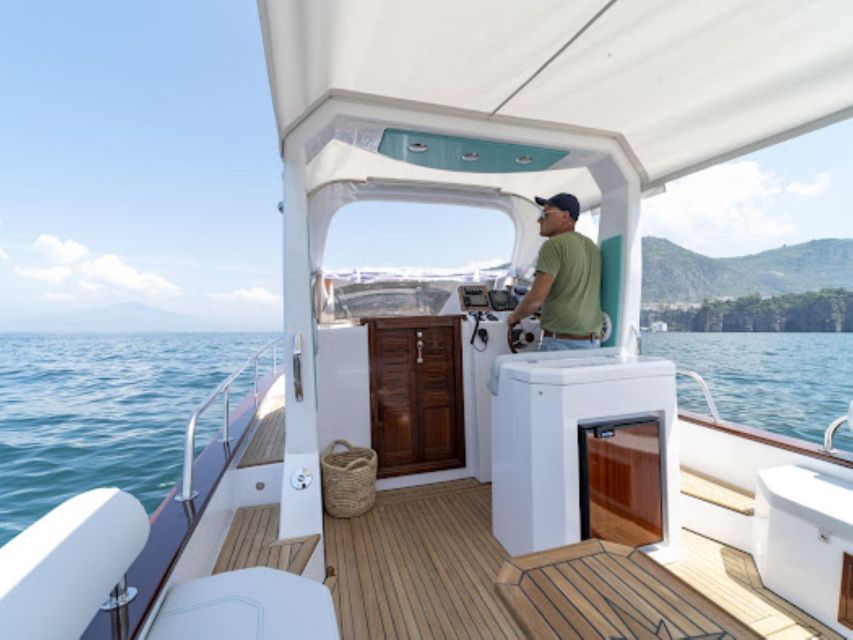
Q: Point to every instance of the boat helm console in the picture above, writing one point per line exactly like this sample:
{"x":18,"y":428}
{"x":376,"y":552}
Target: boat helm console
{"x":478,"y":297}
{"x":485,"y":304}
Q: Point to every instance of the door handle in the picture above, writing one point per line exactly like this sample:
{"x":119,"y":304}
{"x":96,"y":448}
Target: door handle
{"x":297,"y":366}
{"x":420,"y":351}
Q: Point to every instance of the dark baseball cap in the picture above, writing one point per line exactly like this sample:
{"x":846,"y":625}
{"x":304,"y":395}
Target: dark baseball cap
{"x":564,"y":202}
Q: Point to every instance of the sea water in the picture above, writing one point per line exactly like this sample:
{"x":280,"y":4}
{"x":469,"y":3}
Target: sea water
{"x":794,"y":384}
{"x":100,"y":410}
{"x":91,"y":410}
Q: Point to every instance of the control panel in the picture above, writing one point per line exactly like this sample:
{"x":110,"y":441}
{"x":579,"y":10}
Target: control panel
{"x":502,"y":300}
{"x":487,"y":306}
{"x":474,"y":297}
{"x":478,"y":297}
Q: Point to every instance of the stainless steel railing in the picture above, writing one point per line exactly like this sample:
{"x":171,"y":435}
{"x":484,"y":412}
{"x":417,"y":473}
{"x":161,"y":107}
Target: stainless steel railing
{"x":829,"y":434}
{"x":705,"y":390}
{"x":187,"y":493}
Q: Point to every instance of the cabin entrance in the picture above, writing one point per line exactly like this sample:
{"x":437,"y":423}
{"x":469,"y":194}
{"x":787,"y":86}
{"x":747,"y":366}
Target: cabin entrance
{"x":416,"y":401}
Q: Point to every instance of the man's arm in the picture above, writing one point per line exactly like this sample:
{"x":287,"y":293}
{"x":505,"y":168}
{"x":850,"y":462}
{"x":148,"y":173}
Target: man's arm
{"x":531,"y":303}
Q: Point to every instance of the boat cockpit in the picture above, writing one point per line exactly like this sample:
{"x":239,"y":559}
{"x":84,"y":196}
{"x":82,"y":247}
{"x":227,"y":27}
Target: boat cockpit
{"x":495,"y":460}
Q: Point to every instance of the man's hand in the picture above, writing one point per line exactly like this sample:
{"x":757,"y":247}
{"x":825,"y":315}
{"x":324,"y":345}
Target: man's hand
{"x":532,"y":302}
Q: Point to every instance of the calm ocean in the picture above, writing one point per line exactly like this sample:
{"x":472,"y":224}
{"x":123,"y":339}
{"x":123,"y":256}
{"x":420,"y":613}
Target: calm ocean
{"x":82,"y":411}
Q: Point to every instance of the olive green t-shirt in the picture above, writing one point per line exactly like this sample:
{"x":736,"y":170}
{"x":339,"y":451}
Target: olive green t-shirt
{"x":573,"y":304}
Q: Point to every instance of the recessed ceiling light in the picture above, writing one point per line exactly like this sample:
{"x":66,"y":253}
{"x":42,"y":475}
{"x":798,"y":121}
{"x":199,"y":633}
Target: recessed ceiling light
{"x":418,"y":147}
{"x":524,"y":159}
{"x":471,"y":156}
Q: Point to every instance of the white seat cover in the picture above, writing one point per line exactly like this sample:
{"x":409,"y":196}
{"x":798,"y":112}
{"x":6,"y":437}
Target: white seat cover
{"x":253,"y":603}
{"x":55,"y":574}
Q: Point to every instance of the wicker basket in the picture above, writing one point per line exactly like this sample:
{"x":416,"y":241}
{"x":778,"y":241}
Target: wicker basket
{"x":349,"y":480}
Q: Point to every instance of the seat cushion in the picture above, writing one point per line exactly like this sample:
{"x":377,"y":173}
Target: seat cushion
{"x":252,"y":603}
{"x":56,"y":573}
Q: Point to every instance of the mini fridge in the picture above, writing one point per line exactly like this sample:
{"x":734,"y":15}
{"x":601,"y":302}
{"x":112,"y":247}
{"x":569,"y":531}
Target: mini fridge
{"x":620,"y":481}
{"x":612,"y":415}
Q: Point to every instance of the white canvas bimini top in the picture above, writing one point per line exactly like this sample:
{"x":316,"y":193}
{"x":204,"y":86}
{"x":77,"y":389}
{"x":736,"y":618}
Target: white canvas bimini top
{"x":681,"y":84}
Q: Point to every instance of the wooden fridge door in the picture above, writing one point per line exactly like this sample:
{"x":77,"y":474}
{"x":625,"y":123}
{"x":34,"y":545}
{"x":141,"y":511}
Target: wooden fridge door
{"x":621,"y":493}
{"x":416,"y":394}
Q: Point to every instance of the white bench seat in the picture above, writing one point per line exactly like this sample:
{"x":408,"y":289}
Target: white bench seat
{"x":251,"y":603}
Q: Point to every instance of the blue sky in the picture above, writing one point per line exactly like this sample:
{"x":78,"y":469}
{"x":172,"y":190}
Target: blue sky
{"x":138,"y":161}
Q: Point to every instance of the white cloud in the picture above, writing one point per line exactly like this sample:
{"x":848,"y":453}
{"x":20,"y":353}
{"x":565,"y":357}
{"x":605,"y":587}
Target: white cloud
{"x":52,"y":274}
{"x":58,"y":297}
{"x":89,"y":286}
{"x":815,"y":188}
{"x":111,"y":270}
{"x":64,"y":252}
{"x":726,"y":210}
{"x":3,"y":254}
{"x":252,"y":294}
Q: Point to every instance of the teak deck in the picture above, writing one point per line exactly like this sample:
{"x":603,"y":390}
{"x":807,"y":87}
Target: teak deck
{"x":420,"y":564}
{"x":730,"y":578}
{"x":701,"y":486}
{"x":252,"y":542}
{"x":267,"y":445}
{"x":423,"y":563}
{"x":600,"y":589}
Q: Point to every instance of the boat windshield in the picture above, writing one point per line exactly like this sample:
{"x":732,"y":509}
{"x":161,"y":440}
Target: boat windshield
{"x":405,"y":259}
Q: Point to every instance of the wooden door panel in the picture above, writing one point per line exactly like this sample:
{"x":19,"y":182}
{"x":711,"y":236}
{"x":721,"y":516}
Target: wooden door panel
{"x":394,"y":433}
{"x":625,"y":485}
{"x":436,"y":372}
{"x":399,"y":436}
{"x":438,"y":433}
{"x":395,"y":383}
{"x":845,"y":599}
{"x":416,"y":408}
{"x":437,"y":379}
{"x":431,"y":398}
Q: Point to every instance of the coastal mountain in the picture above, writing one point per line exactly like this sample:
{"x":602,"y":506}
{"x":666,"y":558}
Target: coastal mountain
{"x":673,"y":274}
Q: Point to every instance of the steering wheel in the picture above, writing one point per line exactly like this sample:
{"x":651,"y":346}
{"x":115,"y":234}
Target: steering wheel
{"x":520,"y":338}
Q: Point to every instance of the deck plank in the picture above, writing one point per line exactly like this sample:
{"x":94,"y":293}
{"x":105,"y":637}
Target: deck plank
{"x":729,"y":577}
{"x":252,"y":541}
{"x":429,"y":589}
{"x":674,"y":609}
{"x":267,"y":444}
{"x":704,"y":487}
{"x":439,"y":562}
{"x":421,"y":551}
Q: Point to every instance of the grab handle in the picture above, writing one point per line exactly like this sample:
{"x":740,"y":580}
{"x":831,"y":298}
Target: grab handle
{"x":297,"y":366}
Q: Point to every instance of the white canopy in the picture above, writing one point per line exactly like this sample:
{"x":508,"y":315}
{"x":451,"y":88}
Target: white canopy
{"x":680,"y":84}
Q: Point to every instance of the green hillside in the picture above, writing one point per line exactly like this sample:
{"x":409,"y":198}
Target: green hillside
{"x":674,"y":274}
{"x":828,"y":310}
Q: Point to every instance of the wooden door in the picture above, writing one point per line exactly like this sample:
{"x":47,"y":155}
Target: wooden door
{"x":845,"y":600}
{"x":416,"y":394}
{"x":623,"y":483}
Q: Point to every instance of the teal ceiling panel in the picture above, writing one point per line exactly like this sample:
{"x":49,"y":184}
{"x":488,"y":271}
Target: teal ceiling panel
{"x":453,"y":153}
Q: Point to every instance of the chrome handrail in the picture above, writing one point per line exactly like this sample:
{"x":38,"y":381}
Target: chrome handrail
{"x":829,"y":434}
{"x":187,"y":493}
{"x":639,"y":338}
{"x":705,"y":390}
